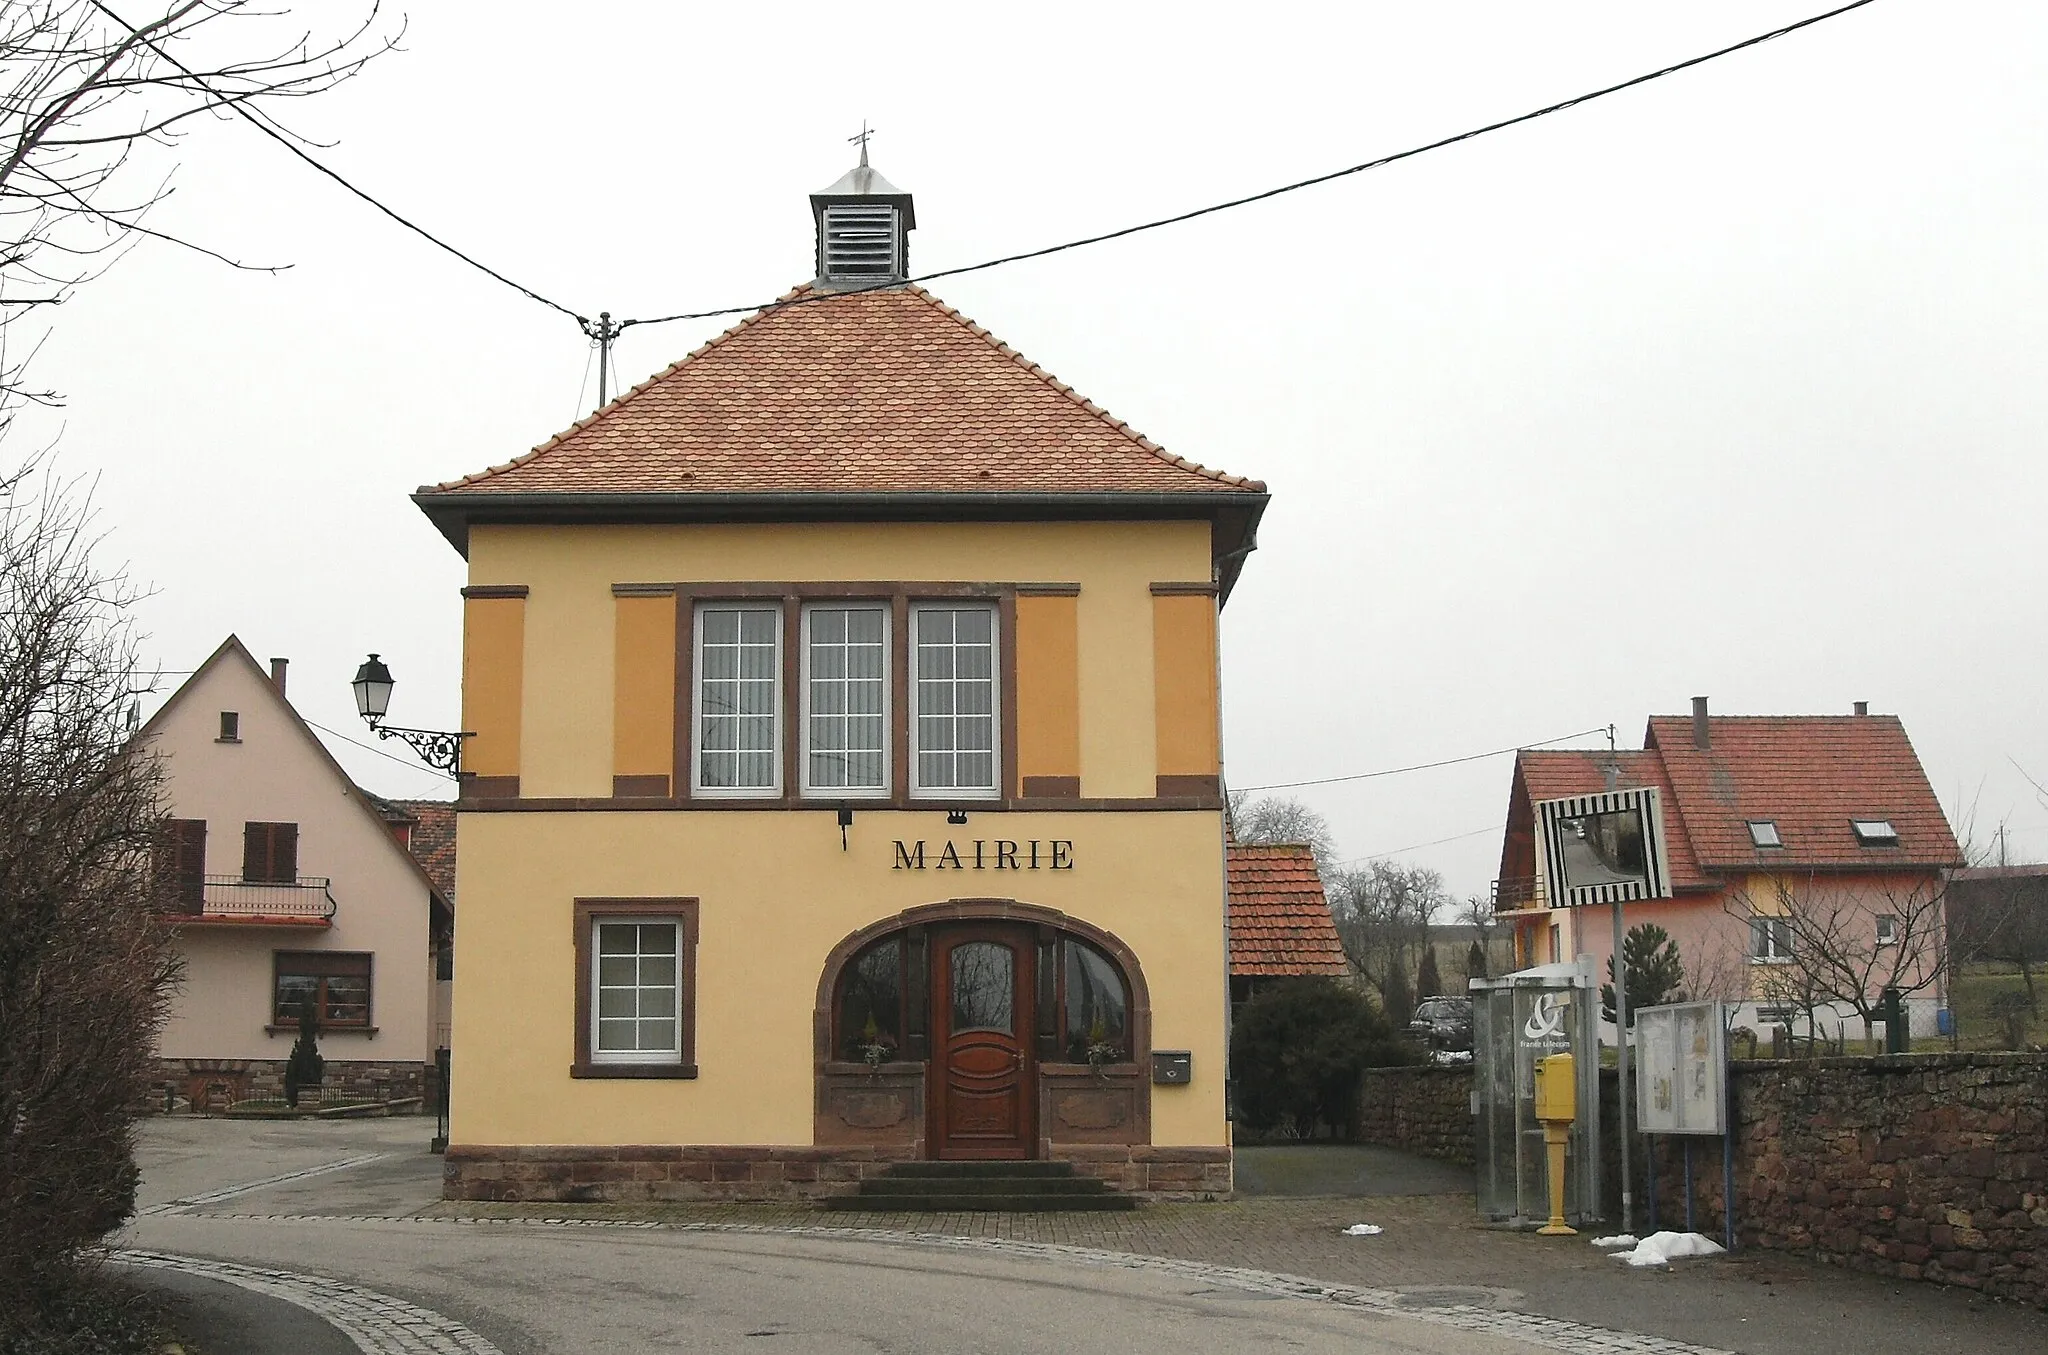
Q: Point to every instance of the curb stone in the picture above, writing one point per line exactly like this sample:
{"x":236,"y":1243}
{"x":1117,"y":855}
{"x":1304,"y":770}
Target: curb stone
{"x":378,"y":1323}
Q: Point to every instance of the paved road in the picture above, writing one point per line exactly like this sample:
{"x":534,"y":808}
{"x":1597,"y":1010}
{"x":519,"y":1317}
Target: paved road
{"x":1168,"y":1278}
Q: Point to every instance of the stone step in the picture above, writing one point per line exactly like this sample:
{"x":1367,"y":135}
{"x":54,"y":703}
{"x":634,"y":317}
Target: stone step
{"x":1001,"y":1168}
{"x":949,"y":1203}
{"x":1009,"y":1184}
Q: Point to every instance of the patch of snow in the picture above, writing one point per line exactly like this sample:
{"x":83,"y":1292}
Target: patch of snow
{"x":1618,"y":1240}
{"x":1661,"y":1249}
{"x":1364,"y":1230}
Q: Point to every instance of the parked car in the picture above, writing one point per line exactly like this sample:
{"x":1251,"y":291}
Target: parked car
{"x":1443,"y":1024}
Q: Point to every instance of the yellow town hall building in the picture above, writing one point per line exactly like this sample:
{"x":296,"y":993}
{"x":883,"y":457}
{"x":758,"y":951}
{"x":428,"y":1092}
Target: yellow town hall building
{"x":845,"y":780}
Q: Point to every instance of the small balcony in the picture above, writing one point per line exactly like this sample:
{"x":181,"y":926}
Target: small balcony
{"x":1524,"y":895}
{"x":230,"y":900}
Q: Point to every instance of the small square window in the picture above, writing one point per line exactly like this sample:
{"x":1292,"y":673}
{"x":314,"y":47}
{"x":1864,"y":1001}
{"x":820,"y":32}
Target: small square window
{"x":1887,"y":930}
{"x":1875,"y":832}
{"x":230,"y":727}
{"x":1764,"y":833}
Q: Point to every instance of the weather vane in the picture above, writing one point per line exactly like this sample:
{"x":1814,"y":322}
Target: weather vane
{"x":865,"y":132}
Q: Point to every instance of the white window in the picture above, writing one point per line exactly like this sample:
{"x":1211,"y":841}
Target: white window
{"x":738,"y":697}
{"x":1770,"y":940}
{"x":1875,"y":832}
{"x":1764,"y":833}
{"x":637,"y":1017}
{"x":846,"y":700}
{"x":1887,"y":930}
{"x":953,"y":700}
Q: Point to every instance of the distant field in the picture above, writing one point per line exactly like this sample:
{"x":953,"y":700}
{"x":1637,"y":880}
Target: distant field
{"x":1976,"y":990}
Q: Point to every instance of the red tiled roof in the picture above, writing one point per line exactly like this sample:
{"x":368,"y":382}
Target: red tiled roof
{"x":1279,"y":920}
{"x":1555,"y":773}
{"x":887,"y":391}
{"x":433,"y":841}
{"x":1811,"y":774}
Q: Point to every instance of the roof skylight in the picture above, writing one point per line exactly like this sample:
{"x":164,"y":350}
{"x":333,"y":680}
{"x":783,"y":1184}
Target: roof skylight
{"x":1875,"y":832}
{"x":1764,"y":833}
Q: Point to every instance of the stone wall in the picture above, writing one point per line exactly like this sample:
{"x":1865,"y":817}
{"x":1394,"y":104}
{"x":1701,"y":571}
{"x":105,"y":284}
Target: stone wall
{"x":211,"y":1085}
{"x":1919,"y":1166}
{"x":1418,"y":1110}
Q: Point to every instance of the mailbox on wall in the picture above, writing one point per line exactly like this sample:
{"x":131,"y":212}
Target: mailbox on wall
{"x":1175,"y":1066}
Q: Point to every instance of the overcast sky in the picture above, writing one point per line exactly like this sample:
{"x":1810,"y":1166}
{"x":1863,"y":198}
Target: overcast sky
{"x":1727,"y":386}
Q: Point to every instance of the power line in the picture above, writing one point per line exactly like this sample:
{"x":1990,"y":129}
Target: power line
{"x":372,"y":748}
{"x":234,"y":105}
{"x":588,"y":327}
{"x":1416,"y":847}
{"x":1425,"y":766}
{"x":1296,"y":186}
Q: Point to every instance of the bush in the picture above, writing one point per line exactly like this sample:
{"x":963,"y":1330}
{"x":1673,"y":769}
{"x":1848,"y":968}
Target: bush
{"x":1296,"y":1052}
{"x":304,"y":1067}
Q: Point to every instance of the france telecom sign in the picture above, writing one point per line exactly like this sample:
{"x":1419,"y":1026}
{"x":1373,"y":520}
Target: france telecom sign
{"x":1606,"y":848}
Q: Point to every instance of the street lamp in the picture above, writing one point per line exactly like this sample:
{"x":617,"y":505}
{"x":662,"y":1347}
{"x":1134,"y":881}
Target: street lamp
{"x":437,"y":748}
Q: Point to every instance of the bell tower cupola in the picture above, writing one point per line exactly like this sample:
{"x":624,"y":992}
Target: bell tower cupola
{"x":864,"y":225}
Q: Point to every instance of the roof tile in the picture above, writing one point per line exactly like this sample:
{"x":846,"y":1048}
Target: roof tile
{"x":882,"y":391}
{"x":1279,"y":919}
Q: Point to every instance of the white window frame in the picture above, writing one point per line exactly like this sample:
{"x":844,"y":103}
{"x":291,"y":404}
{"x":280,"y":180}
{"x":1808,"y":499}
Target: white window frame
{"x":1880,"y":832}
{"x":1768,"y":825}
{"x":1772,"y":923}
{"x":773,"y":790}
{"x":885,"y":789}
{"x":994,"y":790}
{"x":1887,"y":929}
{"x":598,"y":1053}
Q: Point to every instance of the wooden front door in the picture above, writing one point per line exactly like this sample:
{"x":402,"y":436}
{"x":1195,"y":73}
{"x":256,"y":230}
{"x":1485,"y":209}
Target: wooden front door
{"x":984,"y":1080}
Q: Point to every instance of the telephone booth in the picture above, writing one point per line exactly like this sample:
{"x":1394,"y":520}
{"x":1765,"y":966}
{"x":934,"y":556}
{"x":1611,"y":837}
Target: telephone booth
{"x":1518,"y":1019}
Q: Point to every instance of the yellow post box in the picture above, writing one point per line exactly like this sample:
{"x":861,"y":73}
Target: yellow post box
{"x":1557,"y":1105}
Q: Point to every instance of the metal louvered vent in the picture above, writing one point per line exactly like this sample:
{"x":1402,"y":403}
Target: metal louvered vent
{"x":860,"y":241}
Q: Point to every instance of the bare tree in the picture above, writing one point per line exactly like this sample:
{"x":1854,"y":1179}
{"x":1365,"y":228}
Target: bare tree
{"x":1274,"y":819}
{"x":1826,"y":943}
{"x":2001,"y":915}
{"x":84,"y":966}
{"x":1384,"y":912}
{"x":89,"y":102}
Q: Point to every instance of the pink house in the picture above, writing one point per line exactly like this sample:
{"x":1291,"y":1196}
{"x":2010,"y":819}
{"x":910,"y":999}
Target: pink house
{"x":1807,"y":853}
{"x":289,"y":887}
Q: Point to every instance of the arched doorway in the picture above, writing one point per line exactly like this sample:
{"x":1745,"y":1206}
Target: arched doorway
{"x":981,"y":1029}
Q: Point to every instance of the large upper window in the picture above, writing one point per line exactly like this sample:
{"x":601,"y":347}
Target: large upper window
{"x":635,"y":987}
{"x":738,"y":700}
{"x":334,"y":985}
{"x":846,"y":699}
{"x":953,"y":699}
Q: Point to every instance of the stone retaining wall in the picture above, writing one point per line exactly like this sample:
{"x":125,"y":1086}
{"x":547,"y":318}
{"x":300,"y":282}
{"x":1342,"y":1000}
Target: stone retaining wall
{"x":1917,"y":1166}
{"x":1418,"y":1110}
{"x":214,"y":1084}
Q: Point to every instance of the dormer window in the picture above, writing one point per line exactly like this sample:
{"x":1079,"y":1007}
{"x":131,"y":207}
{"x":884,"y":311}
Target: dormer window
{"x":1875,"y":832}
{"x":1764,"y":833}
